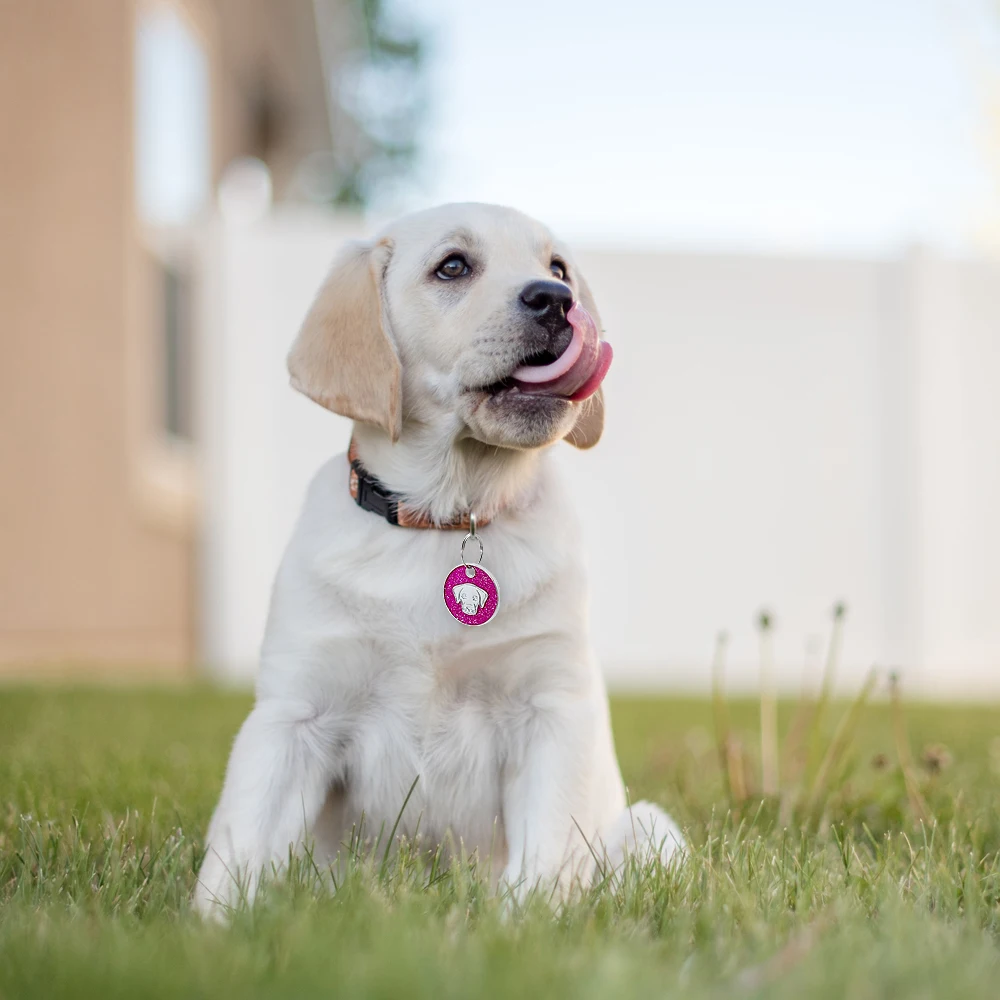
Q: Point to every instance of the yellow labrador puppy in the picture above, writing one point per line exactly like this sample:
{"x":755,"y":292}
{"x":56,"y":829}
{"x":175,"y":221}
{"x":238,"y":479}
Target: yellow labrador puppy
{"x":464,"y":343}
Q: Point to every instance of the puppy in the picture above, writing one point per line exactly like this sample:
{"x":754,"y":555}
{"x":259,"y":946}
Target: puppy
{"x":447,"y":341}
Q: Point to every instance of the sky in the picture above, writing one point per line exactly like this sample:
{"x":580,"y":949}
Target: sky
{"x":855,"y":126}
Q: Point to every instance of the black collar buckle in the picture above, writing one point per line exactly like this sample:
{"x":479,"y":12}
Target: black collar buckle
{"x":373,"y":496}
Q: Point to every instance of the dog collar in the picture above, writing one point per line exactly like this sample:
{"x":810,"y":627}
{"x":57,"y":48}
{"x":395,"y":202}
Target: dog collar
{"x":372,"y":495}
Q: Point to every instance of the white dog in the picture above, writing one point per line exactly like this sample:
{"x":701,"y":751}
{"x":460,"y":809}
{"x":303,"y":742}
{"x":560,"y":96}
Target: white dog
{"x":447,"y":341}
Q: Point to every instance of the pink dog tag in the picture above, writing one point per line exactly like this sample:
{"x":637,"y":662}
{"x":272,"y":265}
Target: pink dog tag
{"x":470,"y":592}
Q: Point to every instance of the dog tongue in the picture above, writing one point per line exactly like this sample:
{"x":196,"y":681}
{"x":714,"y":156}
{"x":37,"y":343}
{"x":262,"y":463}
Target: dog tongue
{"x":578,"y":372}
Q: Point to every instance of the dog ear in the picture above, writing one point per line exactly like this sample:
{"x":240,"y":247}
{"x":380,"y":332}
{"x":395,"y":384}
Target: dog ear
{"x":483,"y":597}
{"x":589,"y":424}
{"x":343,"y":357}
{"x":454,"y":592}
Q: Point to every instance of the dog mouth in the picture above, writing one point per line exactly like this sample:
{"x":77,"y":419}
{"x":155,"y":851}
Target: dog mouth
{"x":574,"y":374}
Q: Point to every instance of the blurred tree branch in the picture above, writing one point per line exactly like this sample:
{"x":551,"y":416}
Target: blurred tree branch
{"x":373,"y":60}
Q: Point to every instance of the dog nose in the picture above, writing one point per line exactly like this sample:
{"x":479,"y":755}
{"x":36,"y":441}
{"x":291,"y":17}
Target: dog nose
{"x":548,"y":300}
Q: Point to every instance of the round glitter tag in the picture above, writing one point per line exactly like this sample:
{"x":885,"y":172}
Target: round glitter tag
{"x":470,"y":595}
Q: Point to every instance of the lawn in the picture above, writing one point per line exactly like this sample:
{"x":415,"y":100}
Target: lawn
{"x":879,"y":877}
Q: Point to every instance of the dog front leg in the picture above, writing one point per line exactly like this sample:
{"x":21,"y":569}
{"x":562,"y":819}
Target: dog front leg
{"x":279,"y":771}
{"x":545,"y":803}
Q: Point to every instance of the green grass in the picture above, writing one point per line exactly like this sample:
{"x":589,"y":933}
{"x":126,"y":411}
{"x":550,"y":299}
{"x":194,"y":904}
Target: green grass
{"x":104,"y":796}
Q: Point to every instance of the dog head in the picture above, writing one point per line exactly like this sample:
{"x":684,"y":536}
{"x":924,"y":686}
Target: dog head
{"x":471,"y":597}
{"x":430,"y":322}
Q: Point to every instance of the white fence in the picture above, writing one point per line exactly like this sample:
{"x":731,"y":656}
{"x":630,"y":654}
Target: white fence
{"x":782,"y":433}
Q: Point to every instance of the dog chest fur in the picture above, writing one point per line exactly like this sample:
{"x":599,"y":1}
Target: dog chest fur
{"x":359,"y":630}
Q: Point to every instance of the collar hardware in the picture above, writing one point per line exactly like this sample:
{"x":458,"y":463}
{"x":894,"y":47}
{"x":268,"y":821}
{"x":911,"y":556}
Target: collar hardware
{"x":372,"y":495}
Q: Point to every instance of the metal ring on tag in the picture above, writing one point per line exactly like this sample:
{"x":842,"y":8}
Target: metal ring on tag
{"x":470,"y":592}
{"x":469,"y":571}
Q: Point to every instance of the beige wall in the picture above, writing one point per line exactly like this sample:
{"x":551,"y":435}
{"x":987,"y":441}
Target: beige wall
{"x":88,"y":570}
{"x":98,"y":508}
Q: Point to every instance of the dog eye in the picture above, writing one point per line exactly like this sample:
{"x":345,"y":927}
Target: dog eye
{"x":455,"y":266}
{"x":558,"y":269}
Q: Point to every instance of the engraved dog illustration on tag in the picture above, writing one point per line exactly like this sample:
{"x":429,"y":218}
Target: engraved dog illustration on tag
{"x":471,"y":597}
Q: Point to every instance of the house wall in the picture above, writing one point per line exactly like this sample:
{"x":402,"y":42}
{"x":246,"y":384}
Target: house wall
{"x":99,"y":507}
{"x":89,"y":570}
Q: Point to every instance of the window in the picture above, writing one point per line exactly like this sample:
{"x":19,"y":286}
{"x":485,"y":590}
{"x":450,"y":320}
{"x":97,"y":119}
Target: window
{"x":172,"y":134}
{"x":177,"y":345}
{"x":172,"y":147}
